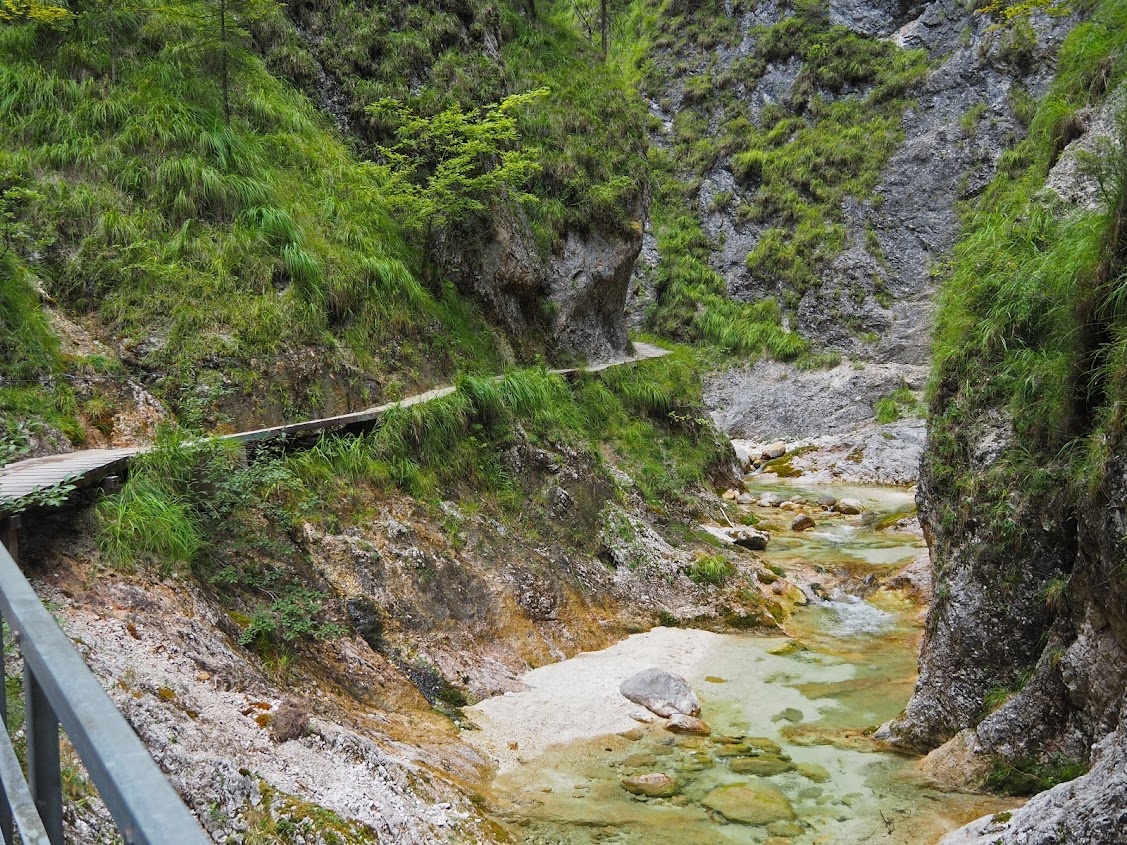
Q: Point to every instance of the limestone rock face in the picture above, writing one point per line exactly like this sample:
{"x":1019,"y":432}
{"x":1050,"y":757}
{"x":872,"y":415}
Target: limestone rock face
{"x":584,"y":286}
{"x":661,"y":692}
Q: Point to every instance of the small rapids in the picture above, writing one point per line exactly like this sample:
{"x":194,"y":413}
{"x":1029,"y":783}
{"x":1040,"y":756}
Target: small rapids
{"x":849,"y":616}
{"x":792,"y":716}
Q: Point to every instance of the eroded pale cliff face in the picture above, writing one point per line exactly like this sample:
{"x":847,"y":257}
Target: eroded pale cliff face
{"x":572,"y":301}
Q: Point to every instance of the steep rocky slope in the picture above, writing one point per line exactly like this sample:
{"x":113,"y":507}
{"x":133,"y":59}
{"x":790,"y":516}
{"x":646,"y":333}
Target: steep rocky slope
{"x":1022,"y":487}
{"x":850,"y":222}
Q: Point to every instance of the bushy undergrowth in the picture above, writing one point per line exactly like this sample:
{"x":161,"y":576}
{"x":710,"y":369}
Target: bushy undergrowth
{"x":467,"y":53}
{"x":185,"y":492}
{"x":1034,"y":315}
{"x":649,"y":414}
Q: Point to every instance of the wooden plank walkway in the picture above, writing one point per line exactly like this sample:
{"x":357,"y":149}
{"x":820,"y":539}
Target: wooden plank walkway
{"x":91,"y":465}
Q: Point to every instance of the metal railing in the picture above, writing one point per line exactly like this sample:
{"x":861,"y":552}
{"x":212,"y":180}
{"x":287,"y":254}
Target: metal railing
{"x":59,"y":689}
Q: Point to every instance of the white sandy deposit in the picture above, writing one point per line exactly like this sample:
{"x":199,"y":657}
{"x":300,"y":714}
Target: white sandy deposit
{"x":579,"y":698}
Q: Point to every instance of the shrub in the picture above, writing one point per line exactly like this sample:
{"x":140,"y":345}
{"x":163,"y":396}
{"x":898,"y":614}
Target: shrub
{"x":712,"y":569}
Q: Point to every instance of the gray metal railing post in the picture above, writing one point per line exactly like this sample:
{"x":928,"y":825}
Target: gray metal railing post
{"x":5,"y":807}
{"x":61,"y":692}
{"x":43,"y":774}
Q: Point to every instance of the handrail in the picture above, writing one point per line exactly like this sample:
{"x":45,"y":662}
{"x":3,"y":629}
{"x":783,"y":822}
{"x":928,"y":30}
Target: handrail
{"x":59,"y":688}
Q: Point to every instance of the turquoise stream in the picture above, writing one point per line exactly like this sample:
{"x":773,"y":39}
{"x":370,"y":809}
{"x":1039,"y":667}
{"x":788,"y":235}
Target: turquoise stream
{"x":847,"y":666}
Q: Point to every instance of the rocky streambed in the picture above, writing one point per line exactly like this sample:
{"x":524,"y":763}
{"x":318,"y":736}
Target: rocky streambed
{"x":789,"y":754}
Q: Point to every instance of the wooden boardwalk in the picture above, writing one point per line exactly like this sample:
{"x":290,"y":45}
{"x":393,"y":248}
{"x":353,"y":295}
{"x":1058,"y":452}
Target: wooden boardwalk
{"x":92,"y":465}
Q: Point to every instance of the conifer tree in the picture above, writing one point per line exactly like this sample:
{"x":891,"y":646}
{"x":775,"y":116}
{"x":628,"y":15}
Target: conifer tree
{"x":222,"y":40}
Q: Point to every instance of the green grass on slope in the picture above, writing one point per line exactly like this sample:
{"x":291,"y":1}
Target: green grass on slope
{"x":434,"y":55}
{"x":692,"y":301}
{"x":650,"y":415}
{"x":30,"y":363}
{"x":200,"y":244}
{"x":1034,"y":314}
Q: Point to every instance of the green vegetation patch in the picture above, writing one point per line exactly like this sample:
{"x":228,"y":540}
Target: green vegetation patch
{"x":1028,"y":777}
{"x":898,"y":404}
{"x":1033,"y":315}
{"x":714,"y":570}
{"x":797,"y":161}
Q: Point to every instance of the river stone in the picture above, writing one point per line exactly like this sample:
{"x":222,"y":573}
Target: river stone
{"x":814,"y":772}
{"x":640,"y":760}
{"x":679,"y":723}
{"x":745,"y":499}
{"x":827,"y":501}
{"x":849,"y":506}
{"x":761,"y":766}
{"x":785,"y":828}
{"x":748,"y":538}
{"x":738,"y":750}
{"x":802,"y":522}
{"x":787,"y":649}
{"x":774,"y":450}
{"x":661,"y":692}
{"x":749,"y":803}
{"x":770,"y":500}
{"x":652,"y":785}
{"x":761,"y":743}
{"x":791,"y":714}
{"x":730,"y":494}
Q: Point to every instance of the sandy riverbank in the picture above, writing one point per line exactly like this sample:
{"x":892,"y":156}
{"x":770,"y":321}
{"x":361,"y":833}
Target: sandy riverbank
{"x":578,"y":698}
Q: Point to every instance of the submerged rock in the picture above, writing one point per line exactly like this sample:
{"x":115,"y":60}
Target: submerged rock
{"x":849,"y":506}
{"x":791,"y":714}
{"x":761,"y":743}
{"x":652,"y":785}
{"x":750,"y":804}
{"x":679,"y":723}
{"x":761,"y":766}
{"x":661,"y":692}
{"x":640,"y":760}
{"x":785,"y":828}
{"x":814,"y":772}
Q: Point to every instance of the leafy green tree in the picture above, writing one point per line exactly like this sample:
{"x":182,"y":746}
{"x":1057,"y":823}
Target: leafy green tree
{"x":30,"y":11}
{"x":443,"y":169}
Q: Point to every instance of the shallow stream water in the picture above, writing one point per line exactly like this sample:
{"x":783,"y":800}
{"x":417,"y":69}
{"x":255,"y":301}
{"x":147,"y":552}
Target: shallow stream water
{"x":804,"y":704}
